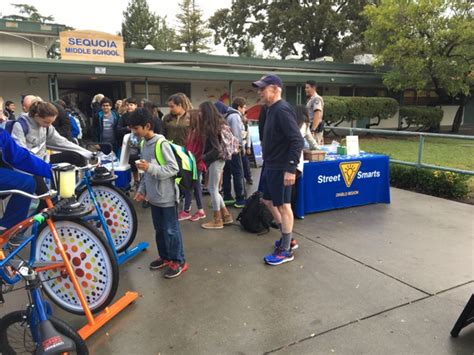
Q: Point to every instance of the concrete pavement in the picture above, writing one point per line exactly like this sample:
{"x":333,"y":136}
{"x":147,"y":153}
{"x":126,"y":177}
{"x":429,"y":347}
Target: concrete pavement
{"x":368,"y":280}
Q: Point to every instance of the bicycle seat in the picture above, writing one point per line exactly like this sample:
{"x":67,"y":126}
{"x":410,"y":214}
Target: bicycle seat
{"x":101,"y":174}
{"x":53,"y":342}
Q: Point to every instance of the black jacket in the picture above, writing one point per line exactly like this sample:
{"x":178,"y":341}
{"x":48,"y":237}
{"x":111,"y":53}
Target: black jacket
{"x":63,"y":123}
{"x":212,"y":150}
{"x":282,"y":141}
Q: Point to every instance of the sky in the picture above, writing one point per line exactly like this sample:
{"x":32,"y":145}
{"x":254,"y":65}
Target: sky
{"x":106,"y":16}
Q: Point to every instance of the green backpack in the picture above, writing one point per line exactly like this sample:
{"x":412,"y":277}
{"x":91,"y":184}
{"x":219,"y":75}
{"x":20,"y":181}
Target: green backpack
{"x":187,"y":173}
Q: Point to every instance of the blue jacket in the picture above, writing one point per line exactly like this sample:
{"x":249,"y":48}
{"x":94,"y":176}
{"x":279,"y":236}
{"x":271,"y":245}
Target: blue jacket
{"x":20,"y":158}
{"x":282,"y":141}
{"x":100,"y":128}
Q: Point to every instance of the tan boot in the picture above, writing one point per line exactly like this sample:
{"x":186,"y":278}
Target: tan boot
{"x":227,"y":217}
{"x":216,"y":223}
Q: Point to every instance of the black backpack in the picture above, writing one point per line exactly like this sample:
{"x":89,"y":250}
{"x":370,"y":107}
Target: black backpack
{"x":255,"y":217}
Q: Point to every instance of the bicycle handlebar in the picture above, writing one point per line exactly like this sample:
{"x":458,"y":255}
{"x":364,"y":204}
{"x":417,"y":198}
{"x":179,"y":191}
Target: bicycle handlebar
{"x":49,"y":194}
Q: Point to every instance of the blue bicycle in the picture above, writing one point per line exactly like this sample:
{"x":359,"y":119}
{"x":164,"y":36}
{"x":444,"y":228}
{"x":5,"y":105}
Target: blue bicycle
{"x":33,"y":330}
{"x":115,"y":213}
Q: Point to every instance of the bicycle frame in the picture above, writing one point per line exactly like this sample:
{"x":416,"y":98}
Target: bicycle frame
{"x":31,"y":239}
{"x":93,"y":324}
{"x":123,"y":256}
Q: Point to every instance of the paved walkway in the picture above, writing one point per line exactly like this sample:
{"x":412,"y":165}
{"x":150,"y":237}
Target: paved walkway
{"x":377,"y":279}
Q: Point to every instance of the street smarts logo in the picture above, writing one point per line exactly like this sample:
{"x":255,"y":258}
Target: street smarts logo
{"x":349,"y":171}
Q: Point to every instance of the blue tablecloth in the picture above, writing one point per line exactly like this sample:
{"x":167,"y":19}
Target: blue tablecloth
{"x":343,"y":181}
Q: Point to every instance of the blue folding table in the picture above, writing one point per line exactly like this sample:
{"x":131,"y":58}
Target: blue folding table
{"x":343,"y":181}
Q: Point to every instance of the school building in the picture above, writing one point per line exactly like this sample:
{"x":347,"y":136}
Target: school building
{"x":94,"y":62}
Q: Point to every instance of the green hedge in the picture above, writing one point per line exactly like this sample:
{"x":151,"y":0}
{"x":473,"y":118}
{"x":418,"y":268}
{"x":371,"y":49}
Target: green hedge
{"x":431,"y":182}
{"x":421,"y":116}
{"x":358,"y":108}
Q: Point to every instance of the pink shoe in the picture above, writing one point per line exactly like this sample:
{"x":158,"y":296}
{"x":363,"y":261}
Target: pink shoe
{"x":183,"y":215}
{"x":197,"y":216}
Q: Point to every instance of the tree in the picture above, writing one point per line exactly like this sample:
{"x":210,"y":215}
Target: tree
{"x":166,"y":38}
{"x":192,"y":31}
{"x":427,"y":44}
{"x":31,"y":14}
{"x":139,"y":25}
{"x":322,"y":28}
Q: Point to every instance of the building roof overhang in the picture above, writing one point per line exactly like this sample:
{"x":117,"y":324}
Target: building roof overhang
{"x":180,"y":73}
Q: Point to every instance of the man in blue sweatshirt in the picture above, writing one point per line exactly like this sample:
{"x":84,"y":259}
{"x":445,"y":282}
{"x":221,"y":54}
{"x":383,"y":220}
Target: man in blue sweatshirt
{"x":282,"y":143}
{"x":19,"y":158}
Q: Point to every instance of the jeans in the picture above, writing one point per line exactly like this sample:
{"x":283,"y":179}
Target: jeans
{"x":214,"y":173}
{"x":233,"y":169}
{"x":169,"y":240}
{"x":17,"y":208}
{"x":197,"y":188}
{"x":246,"y":167}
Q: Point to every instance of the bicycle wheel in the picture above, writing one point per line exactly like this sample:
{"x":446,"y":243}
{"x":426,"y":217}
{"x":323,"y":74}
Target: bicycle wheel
{"x":16,"y":338}
{"x":119,"y":213}
{"x":92,"y":259}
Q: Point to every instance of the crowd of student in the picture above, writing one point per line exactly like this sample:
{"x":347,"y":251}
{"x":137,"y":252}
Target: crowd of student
{"x":44,"y":125}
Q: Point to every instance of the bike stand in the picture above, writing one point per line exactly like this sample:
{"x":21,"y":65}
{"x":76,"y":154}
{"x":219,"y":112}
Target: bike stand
{"x":128,"y":254}
{"x":107,"y":314}
{"x":93,"y":323}
{"x":466,"y":318}
{"x":124,"y":256}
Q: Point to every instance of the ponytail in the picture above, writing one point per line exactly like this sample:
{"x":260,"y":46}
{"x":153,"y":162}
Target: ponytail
{"x":42,"y":109}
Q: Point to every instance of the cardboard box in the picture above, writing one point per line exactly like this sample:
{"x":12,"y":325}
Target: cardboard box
{"x":314,"y":155}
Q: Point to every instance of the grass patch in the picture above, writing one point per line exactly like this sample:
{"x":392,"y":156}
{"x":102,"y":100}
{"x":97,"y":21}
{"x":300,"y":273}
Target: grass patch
{"x":451,"y":153}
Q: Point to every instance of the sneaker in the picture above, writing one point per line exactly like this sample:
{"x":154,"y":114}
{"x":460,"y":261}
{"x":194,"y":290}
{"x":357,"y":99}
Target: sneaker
{"x":229,"y":201}
{"x":279,"y":256}
{"x":175,"y":269}
{"x":227,"y":219}
{"x":159,"y":264}
{"x":293,"y":244}
{"x":197,"y":216}
{"x":183,"y":215}
{"x":239,"y":204}
{"x":214,"y":224}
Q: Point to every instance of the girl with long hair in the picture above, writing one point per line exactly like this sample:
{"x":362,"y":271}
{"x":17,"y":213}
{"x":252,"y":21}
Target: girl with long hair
{"x":195,"y":144}
{"x":213,"y":156}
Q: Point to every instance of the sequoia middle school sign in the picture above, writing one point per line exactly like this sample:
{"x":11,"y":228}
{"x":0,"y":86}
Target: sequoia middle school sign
{"x":91,"y":46}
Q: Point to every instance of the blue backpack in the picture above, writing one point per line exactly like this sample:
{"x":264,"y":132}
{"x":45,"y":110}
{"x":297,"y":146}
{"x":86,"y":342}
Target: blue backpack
{"x":21,"y":121}
{"x":75,"y":131}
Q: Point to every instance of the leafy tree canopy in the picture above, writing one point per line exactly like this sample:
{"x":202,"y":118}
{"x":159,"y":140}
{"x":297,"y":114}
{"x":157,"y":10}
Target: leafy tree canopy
{"x":321,"y":28}
{"x":29,"y":13}
{"x":141,"y":27}
{"x":427,"y":44}
{"x":193,"y":32}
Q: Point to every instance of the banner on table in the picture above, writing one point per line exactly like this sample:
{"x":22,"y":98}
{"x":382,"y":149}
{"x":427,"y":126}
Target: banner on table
{"x":343,"y":182}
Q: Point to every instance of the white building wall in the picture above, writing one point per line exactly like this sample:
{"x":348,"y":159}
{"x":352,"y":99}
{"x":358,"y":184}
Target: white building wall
{"x":392,"y":122}
{"x":14,"y":87}
{"x":13,"y":46}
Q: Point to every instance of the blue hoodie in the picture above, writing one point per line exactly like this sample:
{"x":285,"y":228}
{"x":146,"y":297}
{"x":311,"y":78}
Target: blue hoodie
{"x":20,"y":158}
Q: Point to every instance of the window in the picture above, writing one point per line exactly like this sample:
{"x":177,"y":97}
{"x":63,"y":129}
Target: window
{"x":426,"y":98}
{"x":159,"y":92}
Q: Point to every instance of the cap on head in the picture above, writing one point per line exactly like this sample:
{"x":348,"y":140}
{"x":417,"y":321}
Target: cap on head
{"x":268,"y":80}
